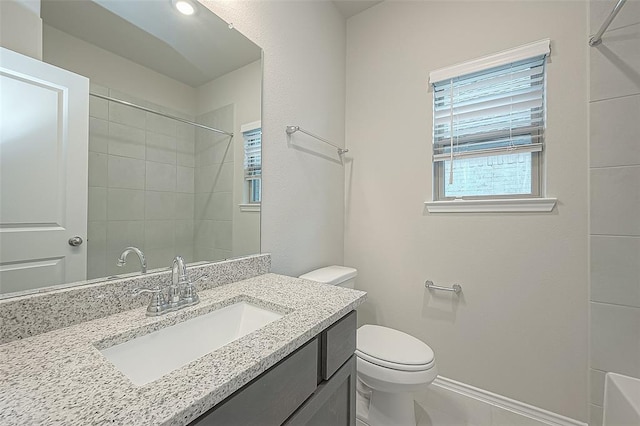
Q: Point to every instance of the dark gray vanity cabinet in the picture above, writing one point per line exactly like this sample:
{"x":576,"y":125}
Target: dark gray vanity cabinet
{"x":314,"y":386}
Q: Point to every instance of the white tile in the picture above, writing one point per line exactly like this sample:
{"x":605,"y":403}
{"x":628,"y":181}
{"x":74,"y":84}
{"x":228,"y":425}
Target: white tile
{"x":98,"y":88}
{"x":125,"y":204}
{"x":122,"y":234}
{"x":159,"y":234}
{"x":126,"y":141}
{"x":160,"y":205}
{"x":214,"y":178}
{"x":98,"y":108}
{"x":615,"y":64}
{"x":126,"y":115}
{"x":205,"y":178}
{"x":223,"y":202}
{"x":127,"y":173}
{"x":185,"y":131}
{"x":218,"y":205}
{"x":184,"y":233}
{"x":435,"y":417}
{"x":220,"y":254}
{"x":615,"y":270}
{"x":160,"y":257}
{"x":161,"y":148}
{"x":161,"y":177}
{"x":223,"y":234}
{"x":96,"y":249}
{"x":97,"y":169}
{"x":185,"y":206}
{"x":97,"y":234}
{"x":502,"y":417}
{"x":614,"y":132}
{"x":201,"y":253}
{"x":185,"y":179}
{"x":160,"y":124}
{"x":600,"y":9}
{"x":615,"y":201}
{"x":204,"y":232}
{"x":97,"y":208}
{"x":615,"y":338}
{"x":185,"y":152}
{"x":595,"y":415}
{"x":596,"y":385}
{"x":98,"y":135}
{"x":213,"y":151}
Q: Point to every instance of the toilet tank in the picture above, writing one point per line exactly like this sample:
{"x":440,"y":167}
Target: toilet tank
{"x":342,"y":276}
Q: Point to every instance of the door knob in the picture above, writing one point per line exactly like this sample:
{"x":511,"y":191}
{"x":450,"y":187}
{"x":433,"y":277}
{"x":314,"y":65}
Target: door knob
{"x":75,"y":241}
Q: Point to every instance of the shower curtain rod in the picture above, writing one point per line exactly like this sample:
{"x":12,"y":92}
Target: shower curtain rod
{"x":173,"y":117}
{"x":597,"y":38}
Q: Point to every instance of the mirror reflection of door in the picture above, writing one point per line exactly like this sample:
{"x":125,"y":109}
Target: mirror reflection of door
{"x":43,"y":174}
{"x":155,"y":182}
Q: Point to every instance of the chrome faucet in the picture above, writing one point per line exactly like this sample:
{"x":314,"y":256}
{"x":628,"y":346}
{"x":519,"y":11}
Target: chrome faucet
{"x":181,"y":292}
{"x":122,"y":260}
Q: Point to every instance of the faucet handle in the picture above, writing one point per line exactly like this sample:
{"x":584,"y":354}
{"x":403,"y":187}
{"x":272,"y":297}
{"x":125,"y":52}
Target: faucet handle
{"x":189,"y":294}
{"x":157,"y":304}
{"x":139,"y":291}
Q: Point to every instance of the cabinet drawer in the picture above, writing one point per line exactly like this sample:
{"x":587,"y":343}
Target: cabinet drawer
{"x":338,"y":343}
{"x":273,"y":396}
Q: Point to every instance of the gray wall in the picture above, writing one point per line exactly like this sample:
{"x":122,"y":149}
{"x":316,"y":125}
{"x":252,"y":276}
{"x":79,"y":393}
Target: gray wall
{"x":520,"y":328}
{"x":615,"y":198}
{"x":303,"y":84}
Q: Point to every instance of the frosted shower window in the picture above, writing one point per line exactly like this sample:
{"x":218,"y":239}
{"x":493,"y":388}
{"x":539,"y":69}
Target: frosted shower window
{"x":488,"y":131}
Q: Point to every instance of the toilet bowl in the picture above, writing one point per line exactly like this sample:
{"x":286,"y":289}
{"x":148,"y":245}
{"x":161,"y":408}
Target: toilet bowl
{"x":390,"y":364}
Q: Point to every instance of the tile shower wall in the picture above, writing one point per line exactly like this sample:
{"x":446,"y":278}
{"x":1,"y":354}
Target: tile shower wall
{"x":615,"y":199}
{"x":214,"y":187}
{"x":141,"y":185}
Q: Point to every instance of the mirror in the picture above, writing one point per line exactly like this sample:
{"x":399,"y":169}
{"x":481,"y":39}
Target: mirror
{"x":155,"y":180}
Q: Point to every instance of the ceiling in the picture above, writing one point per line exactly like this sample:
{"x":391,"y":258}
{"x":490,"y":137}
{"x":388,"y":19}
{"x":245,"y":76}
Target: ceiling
{"x":348,"y":8}
{"x":153,"y":34}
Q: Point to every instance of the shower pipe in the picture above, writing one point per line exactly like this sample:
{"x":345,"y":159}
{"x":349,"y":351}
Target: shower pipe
{"x":173,"y":117}
{"x":597,"y":38}
{"x":292,"y":129}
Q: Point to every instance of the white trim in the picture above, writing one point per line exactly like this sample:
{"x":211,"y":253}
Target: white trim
{"x":505,"y":403}
{"x":250,"y":126}
{"x":517,"y":205}
{"x":537,"y":48}
{"x":249,"y":207}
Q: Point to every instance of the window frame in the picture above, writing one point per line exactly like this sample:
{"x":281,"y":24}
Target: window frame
{"x":247,"y":188}
{"x":531,"y":202}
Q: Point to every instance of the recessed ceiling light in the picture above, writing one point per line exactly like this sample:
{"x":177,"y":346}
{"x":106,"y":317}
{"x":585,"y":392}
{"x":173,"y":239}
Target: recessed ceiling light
{"x":185,"y":7}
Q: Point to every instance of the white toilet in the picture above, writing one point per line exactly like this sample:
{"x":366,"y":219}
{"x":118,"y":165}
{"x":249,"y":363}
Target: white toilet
{"x":391,"y":364}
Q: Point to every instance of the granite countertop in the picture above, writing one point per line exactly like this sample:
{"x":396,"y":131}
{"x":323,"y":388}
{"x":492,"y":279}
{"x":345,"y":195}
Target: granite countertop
{"x":60,"y":377}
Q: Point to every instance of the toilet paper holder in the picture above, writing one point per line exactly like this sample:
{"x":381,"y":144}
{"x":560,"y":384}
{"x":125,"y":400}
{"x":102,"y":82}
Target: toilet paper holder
{"x":456,"y":288}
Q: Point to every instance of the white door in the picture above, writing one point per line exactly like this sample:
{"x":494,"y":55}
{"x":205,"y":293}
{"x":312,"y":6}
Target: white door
{"x":44,"y":114}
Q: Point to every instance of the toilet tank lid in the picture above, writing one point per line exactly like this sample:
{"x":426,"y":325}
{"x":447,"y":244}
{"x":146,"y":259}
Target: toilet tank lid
{"x":333,"y":275}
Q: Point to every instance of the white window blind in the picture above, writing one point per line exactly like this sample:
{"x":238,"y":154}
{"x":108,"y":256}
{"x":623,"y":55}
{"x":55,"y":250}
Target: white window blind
{"x":253,"y":163}
{"x":491,"y":112}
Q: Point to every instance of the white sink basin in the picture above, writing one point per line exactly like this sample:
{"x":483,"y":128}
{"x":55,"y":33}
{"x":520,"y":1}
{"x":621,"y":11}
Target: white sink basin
{"x":149,"y":357}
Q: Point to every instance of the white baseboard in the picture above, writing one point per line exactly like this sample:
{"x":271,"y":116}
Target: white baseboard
{"x":501,"y":402}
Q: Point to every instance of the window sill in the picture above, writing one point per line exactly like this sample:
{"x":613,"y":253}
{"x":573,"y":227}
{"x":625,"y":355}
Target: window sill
{"x":249,"y":207}
{"x":520,"y":205}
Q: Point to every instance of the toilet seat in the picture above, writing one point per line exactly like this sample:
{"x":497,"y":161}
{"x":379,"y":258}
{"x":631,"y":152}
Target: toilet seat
{"x":393,"y":349}
{"x":394,"y":365}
